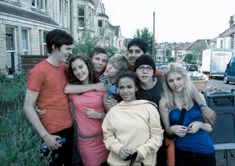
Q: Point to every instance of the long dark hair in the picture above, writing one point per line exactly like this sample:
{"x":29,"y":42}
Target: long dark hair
{"x":72,"y":79}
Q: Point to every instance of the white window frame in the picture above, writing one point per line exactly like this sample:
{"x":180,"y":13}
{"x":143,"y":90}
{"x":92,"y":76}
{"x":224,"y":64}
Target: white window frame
{"x":81,"y":18}
{"x":25,"y":41}
{"x":39,"y":4}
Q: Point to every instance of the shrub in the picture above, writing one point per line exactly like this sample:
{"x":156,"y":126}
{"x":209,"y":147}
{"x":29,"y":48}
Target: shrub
{"x":18,"y":141}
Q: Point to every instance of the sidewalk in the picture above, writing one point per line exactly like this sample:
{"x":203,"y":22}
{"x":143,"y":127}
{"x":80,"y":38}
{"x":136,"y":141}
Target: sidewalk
{"x":220,"y":158}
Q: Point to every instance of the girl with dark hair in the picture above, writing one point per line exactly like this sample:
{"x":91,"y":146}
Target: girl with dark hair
{"x":88,"y":112}
{"x":132,"y":130}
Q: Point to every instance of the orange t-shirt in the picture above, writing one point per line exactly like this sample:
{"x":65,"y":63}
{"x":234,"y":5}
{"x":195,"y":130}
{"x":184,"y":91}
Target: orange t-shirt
{"x":50,"y":81}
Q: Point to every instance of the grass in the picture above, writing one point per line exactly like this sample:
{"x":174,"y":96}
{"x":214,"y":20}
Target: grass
{"x":18,"y":140}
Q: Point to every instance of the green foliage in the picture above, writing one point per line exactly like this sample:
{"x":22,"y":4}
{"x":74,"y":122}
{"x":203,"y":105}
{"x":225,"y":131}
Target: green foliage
{"x":18,"y":141}
{"x":12,"y":92}
{"x":147,"y":36}
{"x":190,"y":58}
{"x":111,"y":51}
{"x":85,"y":44}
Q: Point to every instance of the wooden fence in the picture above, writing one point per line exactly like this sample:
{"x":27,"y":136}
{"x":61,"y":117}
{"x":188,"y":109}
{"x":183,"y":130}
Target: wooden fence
{"x":29,"y":61}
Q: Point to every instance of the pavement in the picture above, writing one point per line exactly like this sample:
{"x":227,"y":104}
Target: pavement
{"x":221,"y":159}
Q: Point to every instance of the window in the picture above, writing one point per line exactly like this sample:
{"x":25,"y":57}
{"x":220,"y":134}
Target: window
{"x":43,"y":45}
{"x":100,"y":23}
{"x":10,"y":38}
{"x":39,"y":4}
{"x":64,"y":13}
{"x":221,"y":44}
{"x":25,"y":41}
{"x":81,"y":17}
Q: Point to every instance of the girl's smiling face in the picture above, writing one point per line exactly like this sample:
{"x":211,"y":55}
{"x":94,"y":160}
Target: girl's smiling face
{"x":80,"y":70}
{"x":127,"y":89}
{"x":175,"y":81}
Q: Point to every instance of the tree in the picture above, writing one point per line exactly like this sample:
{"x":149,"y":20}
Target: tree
{"x":85,"y":44}
{"x":147,"y":36}
{"x":190,"y":58}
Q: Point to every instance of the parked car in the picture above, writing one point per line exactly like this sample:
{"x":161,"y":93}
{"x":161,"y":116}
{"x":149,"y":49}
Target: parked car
{"x":192,"y":67}
{"x":229,"y":75}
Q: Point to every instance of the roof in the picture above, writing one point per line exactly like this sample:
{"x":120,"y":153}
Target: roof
{"x":199,"y":44}
{"x":4,"y":8}
{"x":103,"y":15}
{"x":228,"y":32}
{"x":182,"y":46}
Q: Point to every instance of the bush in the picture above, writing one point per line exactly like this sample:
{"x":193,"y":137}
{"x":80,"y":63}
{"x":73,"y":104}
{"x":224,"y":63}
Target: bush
{"x":18,"y":141}
{"x":12,"y":92}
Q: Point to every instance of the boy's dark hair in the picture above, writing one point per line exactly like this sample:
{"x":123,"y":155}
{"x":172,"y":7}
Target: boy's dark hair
{"x":98,"y":50}
{"x":141,"y":43}
{"x":57,"y":38}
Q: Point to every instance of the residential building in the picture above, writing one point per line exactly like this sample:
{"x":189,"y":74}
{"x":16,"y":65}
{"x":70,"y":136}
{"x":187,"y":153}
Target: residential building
{"x":196,"y":49}
{"x":180,"y":51}
{"x":226,"y":40}
{"x":23,"y":27}
{"x":24,"y":24}
{"x":164,"y":50}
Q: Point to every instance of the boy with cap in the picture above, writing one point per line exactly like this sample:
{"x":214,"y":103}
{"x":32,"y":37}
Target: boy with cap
{"x":137,"y":47}
{"x":150,"y":88}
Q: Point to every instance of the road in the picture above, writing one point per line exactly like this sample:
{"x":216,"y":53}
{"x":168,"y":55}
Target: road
{"x":219,"y":84}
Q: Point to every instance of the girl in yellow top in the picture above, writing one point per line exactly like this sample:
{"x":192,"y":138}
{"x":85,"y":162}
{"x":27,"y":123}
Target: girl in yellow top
{"x":132,"y":126}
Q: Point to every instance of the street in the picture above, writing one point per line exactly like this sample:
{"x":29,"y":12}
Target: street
{"x":220,"y":85}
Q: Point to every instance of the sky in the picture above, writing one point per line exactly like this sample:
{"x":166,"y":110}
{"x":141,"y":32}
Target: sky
{"x":175,"y":20}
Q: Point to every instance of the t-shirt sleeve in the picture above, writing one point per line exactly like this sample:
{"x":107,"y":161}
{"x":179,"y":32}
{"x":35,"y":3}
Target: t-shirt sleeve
{"x":35,"y":80}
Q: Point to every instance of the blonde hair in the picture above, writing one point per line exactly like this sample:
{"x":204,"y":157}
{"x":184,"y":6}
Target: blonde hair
{"x":208,"y":114}
{"x":168,"y":94}
{"x":119,"y":61}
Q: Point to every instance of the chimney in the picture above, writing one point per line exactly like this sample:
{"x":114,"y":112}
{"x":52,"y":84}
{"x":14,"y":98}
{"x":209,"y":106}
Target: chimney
{"x":231,"y":22}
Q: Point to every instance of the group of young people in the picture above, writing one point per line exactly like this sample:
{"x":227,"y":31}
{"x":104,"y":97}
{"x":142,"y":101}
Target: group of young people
{"x":124,"y":110}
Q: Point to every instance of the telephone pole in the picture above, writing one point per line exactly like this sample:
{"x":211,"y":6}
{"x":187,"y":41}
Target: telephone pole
{"x":153,"y":40}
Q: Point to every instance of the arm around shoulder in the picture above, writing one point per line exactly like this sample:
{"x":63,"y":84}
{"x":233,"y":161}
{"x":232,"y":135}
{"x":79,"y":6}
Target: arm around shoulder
{"x":75,"y":89}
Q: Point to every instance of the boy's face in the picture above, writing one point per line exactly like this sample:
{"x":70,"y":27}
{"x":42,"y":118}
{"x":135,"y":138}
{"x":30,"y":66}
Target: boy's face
{"x":145,"y":74}
{"x":63,"y":53}
{"x":134,"y":52}
{"x":100,"y":61}
{"x":111,"y":71}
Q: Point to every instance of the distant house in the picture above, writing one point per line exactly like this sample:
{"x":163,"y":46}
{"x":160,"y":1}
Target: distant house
{"x":197,"y":47}
{"x":162,"y":49}
{"x":226,"y":40}
{"x":180,"y":51}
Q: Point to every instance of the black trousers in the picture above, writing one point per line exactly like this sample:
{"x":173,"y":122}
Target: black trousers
{"x":63,"y":156}
{"x":184,"y":158}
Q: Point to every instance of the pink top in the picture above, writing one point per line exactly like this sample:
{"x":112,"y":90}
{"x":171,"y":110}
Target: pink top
{"x":88,"y":127}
